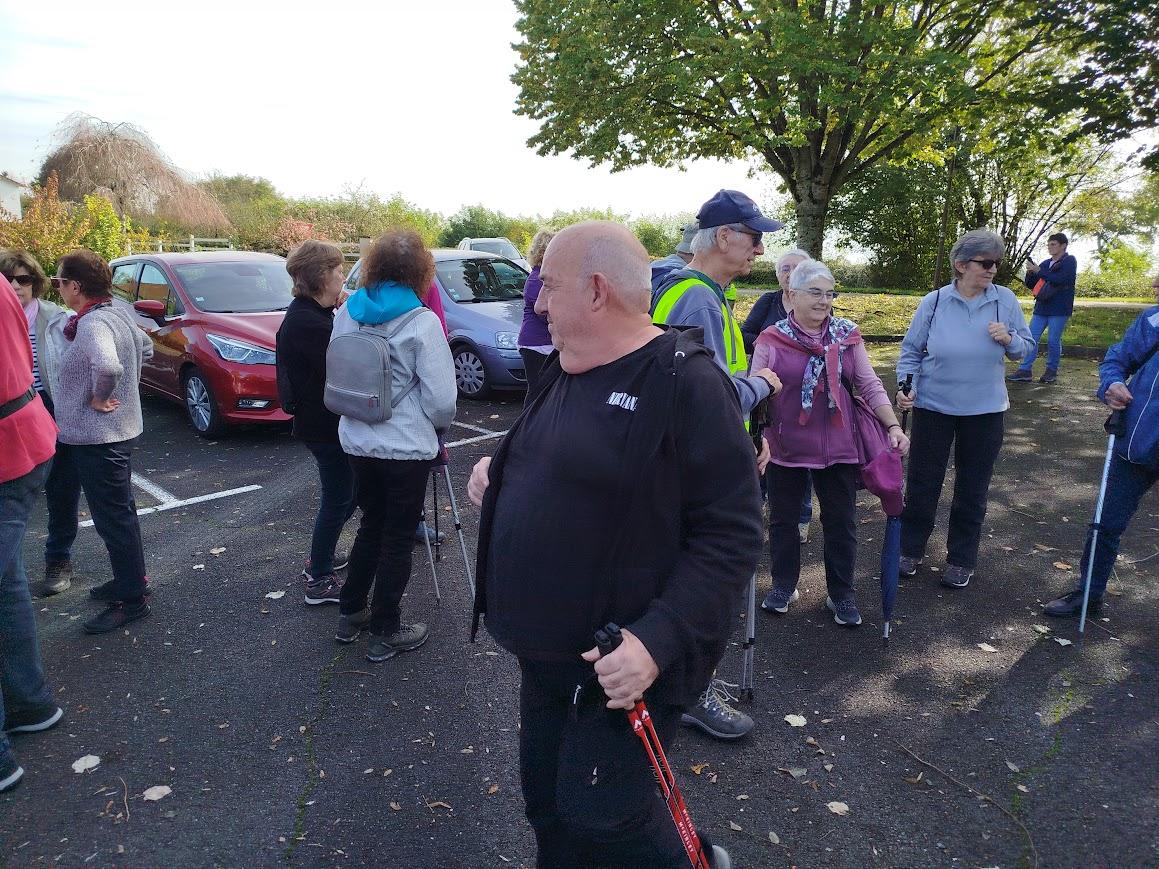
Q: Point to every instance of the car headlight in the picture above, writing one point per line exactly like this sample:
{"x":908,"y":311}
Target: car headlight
{"x":507,"y":340}
{"x":232,"y":350}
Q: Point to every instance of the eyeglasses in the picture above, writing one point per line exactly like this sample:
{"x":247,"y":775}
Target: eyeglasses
{"x":57,"y":283}
{"x":754,"y":237}
{"x":987,"y":264}
{"x":23,"y":280}
{"x":817,"y":294}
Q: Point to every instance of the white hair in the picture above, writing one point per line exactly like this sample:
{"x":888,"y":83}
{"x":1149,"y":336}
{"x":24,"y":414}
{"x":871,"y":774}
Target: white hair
{"x":704,"y":240}
{"x":792,"y":252}
{"x":807,"y":271}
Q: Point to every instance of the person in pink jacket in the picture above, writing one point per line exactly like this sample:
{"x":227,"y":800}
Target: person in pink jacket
{"x":818,"y":357}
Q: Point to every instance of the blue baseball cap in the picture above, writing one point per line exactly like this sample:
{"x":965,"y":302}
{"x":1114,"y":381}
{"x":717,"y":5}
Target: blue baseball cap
{"x":732,"y":206}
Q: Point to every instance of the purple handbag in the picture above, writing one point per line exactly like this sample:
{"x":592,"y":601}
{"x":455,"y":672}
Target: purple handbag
{"x":881,"y":471}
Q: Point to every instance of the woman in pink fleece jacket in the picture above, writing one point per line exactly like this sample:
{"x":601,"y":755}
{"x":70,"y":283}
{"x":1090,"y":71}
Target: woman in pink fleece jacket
{"x":811,"y":429}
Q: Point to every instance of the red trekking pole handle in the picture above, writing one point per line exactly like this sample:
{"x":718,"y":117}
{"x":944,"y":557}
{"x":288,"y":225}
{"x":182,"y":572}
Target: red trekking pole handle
{"x":608,"y":639}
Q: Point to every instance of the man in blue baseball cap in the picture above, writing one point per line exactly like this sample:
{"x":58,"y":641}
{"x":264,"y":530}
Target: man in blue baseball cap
{"x":723,"y":249}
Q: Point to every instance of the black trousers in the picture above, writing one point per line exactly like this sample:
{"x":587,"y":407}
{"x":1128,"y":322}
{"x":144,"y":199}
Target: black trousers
{"x":532,"y":366}
{"x":588,"y":787}
{"x":391,"y":494}
{"x":836,"y":488}
{"x":976,"y":441}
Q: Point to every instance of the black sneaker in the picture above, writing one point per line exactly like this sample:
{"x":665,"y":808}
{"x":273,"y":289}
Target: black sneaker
{"x":1048,"y":376}
{"x":1020,"y":376}
{"x":116,"y":615}
{"x":349,"y":627}
{"x":714,"y":716}
{"x":10,"y":773}
{"x":778,"y":600}
{"x":956,"y":577}
{"x":104,"y":591}
{"x":1071,"y":605}
{"x":382,"y":647}
{"x":324,"y":589}
{"x":33,"y":720}
{"x":424,"y":533}
{"x":907,"y":566}
{"x":57,"y":577}
{"x":844,"y":612}
{"x":341,"y":562}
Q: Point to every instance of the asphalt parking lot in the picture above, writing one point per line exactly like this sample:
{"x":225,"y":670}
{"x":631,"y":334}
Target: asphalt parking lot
{"x":281,"y":747}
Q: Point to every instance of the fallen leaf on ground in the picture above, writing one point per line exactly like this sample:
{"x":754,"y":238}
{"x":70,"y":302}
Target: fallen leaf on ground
{"x":828,"y":767}
{"x":89,"y":761}
{"x":795,"y":720}
{"x":774,"y":838}
{"x":1007,"y":548}
{"x":1042,"y":629}
{"x":217,"y":550}
{"x":797,"y":772}
{"x":276,"y":595}
{"x":1044,"y":547}
{"x":742,"y":796}
{"x":438,"y":804}
{"x":1062,"y":565}
{"x":157,"y":792}
{"x":698,"y":768}
{"x":913,"y":781}
{"x":838,"y":808}
{"x":1013,"y":767}
{"x":199,"y":567}
{"x":734,"y":826}
{"x":1063,"y":642}
{"x":494,"y":789}
{"x":811,"y":741}
{"x":395,"y":806}
{"x":1023,"y":788}
{"x":986,"y":647}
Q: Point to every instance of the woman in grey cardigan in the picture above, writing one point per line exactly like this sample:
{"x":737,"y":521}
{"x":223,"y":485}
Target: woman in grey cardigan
{"x":955,"y":351}
{"x":96,"y":360}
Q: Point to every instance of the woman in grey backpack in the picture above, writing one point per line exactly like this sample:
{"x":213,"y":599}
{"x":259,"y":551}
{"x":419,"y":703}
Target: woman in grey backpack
{"x":392,"y":458}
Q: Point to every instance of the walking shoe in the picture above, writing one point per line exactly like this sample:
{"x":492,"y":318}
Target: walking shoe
{"x":325,"y":589}
{"x":1022,"y":375}
{"x":349,"y":627}
{"x":714,"y":716}
{"x":907,"y":566}
{"x":844,"y":612}
{"x":803,"y":531}
{"x":57,"y":577}
{"x":720,"y":858}
{"x":1048,"y":376}
{"x":956,"y":577}
{"x":10,"y":773}
{"x":381,"y":647}
{"x":1071,"y":605}
{"x":425,"y":533}
{"x":33,"y":720}
{"x":104,"y":591}
{"x":778,"y":600}
{"x":341,"y":562}
{"x":117,"y":614}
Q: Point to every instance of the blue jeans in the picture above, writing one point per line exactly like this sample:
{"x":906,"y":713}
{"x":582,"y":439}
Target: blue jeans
{"x":1039,"y":324}
{"x":21,"y":668}
{"x":336,"y":505}
{"x":1127,"y":483}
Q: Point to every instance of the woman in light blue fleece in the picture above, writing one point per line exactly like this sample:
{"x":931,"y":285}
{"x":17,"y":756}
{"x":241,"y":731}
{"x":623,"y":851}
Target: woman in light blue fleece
{"x":955,"y":349}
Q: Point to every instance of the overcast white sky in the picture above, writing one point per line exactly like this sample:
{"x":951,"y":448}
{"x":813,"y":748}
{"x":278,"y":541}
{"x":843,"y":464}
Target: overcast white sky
{"x":413,"y":98}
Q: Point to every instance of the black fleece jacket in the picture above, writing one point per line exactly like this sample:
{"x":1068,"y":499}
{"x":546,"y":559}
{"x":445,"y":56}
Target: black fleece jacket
{"x":301,"y":353}
{"x":689,"y":522}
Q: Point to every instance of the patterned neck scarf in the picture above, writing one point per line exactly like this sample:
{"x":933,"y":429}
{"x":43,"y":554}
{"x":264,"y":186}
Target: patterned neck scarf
{"x":824,"y":360}
{"x":70,"y":326}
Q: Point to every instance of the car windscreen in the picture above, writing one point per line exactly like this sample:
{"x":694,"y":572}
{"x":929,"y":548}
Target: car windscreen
{"x":236,"y":287}
{"x":499,"y":248}
{"x":481,"y":280}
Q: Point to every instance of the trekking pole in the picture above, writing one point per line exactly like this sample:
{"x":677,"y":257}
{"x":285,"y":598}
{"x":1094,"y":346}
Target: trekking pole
{"x":459,"y":530}
{"x":435,"y":510}
{"x":608,"y":640}
{"x":430,"y":555}
{"x":905,"y":386}
{"x":1113,"y":427}
{"x":756,"y":425}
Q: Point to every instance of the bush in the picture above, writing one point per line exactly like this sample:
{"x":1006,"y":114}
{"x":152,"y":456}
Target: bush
{"x":851,"y":274}
{"x":50,"y":228}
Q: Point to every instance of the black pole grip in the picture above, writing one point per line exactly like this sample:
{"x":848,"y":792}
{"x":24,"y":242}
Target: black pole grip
{"x":1115,"y":424}
{"x":906,"y":385}
{"x":608,"y":638}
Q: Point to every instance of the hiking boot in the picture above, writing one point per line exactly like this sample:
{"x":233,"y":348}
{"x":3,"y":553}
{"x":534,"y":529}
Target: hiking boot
{"x":104,"y":591}
{"x":325,"y":589}
{"x":803,"y":532}
{"x":57,"y":577}
{"x":844,"y":612}
{"x":778,"y":600}
{"x":10,"y":773}
{"x":349,"y":627}
{"x":956,"y":577}
{"x":1071,"y":605}
{"x":341,"y":562}
{"x":426,"y":534}
{"x":381,"y":647}
{"x":34,"y":719}
{"x":117,"y":614}
{"x":907,"y":566}
{"x":714,"y":716}
{"x":1048,"y":376}
{"x":1022,"y":375}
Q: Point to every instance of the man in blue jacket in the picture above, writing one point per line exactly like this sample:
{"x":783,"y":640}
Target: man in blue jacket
{"x":1129,"y":381}
{"x":1053,"y":287}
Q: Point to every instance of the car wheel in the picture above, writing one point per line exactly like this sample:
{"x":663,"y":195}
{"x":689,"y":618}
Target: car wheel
{"x":201,"y":406}
{"x":470,"y":374}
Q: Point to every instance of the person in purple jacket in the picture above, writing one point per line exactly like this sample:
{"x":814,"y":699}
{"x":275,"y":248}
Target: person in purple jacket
{"x":1053,"y":306}
{"x":534,"y":339}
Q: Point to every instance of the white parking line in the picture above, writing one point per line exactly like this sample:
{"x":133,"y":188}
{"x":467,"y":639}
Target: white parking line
{"x":484,"y":437}
{"x":153,"y":489}
{"x":173,"y":505}
{"x":477,"y":428}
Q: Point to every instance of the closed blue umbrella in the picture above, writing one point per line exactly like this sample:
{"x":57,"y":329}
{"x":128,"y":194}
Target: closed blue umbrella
{"x":890,"y":558}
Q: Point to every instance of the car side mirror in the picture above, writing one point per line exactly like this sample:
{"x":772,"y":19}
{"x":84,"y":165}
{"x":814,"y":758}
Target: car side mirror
{"x":151,"y":308}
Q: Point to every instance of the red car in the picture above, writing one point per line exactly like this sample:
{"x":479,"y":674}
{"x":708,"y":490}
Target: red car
{"x":212,"y":317}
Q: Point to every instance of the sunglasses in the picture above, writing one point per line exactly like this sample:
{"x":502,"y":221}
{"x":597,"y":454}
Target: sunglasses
{"x":57,"y":283}
{"x":755,"y":237}
{"x":987,"y":264}
{"x":817,"y":294}
{"x":23,"y":280}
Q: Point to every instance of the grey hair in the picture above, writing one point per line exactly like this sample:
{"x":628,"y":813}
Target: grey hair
{"x":704,"y":240}
{"x":796,"y":251}
{"x":807,"y":271}
{"x":538,"y":246}
{"x":977,"y":242}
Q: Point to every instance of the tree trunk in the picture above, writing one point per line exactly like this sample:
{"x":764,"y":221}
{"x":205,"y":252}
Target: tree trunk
{"x":811,"y":223}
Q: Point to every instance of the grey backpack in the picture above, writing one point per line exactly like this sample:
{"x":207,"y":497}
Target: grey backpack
{"x":358,"y":373}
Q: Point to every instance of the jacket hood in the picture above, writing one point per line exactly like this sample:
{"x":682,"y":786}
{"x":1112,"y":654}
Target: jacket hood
{"x":381,"y":303}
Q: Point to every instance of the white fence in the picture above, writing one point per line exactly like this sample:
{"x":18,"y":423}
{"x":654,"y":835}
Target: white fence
{"x":194,"y":244}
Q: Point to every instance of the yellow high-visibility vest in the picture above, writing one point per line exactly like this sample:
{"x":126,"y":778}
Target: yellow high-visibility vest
{"x":737,"y":361}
